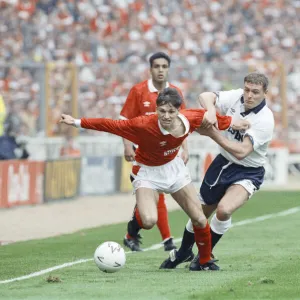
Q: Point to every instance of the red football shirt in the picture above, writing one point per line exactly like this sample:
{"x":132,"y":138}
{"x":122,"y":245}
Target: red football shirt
{"x":156,"y":146}
{"x":141,"y":100}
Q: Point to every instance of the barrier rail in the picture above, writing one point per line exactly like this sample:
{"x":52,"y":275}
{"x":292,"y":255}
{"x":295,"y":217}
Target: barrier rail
{"x":32,"y":182}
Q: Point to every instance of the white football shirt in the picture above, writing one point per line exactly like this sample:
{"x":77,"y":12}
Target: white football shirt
{"x":231,"y":103}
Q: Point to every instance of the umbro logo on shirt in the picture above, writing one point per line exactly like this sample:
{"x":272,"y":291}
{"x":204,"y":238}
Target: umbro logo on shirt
{"x":232,"y":110}
{"x":146,"y":103}
{"x":163,"y":143}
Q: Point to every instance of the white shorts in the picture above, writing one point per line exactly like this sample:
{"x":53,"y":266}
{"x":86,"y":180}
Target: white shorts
{"x":168,"y":178}
{"x":245,"y":183}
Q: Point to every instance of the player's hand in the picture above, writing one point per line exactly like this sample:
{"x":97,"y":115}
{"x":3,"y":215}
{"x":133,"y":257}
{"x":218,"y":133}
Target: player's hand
{"x":129,"y":153}
{"x":185,"y":156}
{"x":206,"y":131}
{"x":209,"y":119}
{"x":67,"y":119}
{"x":240,"y":125}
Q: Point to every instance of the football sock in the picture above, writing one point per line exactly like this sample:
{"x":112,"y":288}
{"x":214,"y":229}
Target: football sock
{"x":203,"y":242}
{"x":162,"y":221}
{"x":214,"y":238}
{"x":188,"y":239}
{"x":134,"y":225}
{"x":217,"y":229}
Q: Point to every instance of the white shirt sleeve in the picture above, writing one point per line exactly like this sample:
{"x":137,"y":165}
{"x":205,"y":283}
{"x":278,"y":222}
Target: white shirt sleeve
{"x":225,"y":99}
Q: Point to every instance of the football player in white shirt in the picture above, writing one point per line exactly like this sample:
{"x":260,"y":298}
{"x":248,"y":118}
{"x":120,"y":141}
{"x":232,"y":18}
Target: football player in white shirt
{"x":238,"y":171}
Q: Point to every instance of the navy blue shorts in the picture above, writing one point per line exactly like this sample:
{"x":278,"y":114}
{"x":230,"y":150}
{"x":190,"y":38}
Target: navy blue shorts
{"x":219,"y":178}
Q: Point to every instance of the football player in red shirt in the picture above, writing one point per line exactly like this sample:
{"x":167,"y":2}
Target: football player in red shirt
{"x":141,"y":101}
{"x":157,"y":166}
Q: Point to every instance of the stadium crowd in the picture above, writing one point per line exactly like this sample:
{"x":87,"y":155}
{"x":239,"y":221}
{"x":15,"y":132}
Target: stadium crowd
{"x":212,"y":44}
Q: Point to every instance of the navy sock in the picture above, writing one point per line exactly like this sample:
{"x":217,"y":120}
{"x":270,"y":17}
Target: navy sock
{"x":187,"y":243}
{"x":215,"y":237}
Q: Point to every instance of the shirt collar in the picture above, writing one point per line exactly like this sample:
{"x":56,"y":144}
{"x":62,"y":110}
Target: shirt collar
{"x":255,"y":109}
{"x":152,"y":88}
{"x":183,"y":119}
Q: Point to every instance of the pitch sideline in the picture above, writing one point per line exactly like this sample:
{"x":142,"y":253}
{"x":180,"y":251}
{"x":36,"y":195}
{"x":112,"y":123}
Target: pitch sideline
{"x":153,"y":247}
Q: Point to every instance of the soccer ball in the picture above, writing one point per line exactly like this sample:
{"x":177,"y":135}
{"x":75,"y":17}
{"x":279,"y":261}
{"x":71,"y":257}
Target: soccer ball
{"x":110,"y":257}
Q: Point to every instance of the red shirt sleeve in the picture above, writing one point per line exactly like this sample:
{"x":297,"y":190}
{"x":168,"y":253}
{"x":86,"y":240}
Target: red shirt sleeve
{"x":131,"y":106}
{"x":195,"y":117}
{"x":128,"y":129}
{"x":223,"y":122}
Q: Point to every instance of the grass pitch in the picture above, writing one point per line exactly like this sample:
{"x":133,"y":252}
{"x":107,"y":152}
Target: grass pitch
{"x":259,"y":260}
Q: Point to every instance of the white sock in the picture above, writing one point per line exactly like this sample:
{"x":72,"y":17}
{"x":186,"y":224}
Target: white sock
{"x":189,"y":226}
{"x":219,"y":227}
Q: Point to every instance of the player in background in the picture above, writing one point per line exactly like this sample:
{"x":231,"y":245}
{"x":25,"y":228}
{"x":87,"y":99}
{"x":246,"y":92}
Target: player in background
{"x":237,"y":172}
{"x":157,"y":167}
{"x":141,"y":101}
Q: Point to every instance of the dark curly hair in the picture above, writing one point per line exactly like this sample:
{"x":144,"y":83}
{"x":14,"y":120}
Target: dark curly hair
{"x":169,"y":96}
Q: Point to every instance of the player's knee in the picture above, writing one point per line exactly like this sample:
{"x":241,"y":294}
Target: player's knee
{"x":149,"y":222}
{"x":199,"y":221}
{"x":223,"y":212}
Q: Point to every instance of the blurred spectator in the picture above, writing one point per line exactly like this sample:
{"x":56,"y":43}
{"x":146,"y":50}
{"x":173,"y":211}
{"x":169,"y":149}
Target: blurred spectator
{"x":20,"y":89}
{"x":47,"y":6}
{"x":113,"y":31}
{"x":2,"y":115}
{"x":212,"y":43}
{"x":12,"y":146}
{"x":69,"y":148}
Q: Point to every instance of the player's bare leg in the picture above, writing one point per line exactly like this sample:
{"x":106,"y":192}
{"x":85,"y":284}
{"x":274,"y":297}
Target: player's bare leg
{"x":235,"y":197}
{"x":144,"y":216}
{"x":146,"y":200}
{"x":163,"y":224}
{"x":188,"y":200}
{"x":208,"y":209}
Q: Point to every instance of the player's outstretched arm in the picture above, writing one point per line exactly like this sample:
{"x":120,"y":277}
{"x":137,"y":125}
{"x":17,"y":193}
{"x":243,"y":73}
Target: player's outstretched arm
{"x":128,"y":129}
{"x":238,"y":149}
{"x":224,"y":122}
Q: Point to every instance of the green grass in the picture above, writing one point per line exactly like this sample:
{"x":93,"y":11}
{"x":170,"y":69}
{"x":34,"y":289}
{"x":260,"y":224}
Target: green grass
{"x":258,"y":261}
